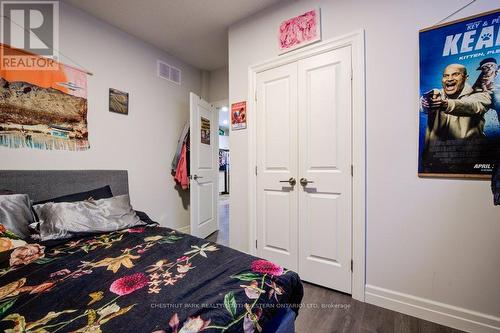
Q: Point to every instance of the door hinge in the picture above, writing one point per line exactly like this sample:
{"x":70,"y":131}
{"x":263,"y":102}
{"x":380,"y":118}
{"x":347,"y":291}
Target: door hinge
{"x":352,"y":265}
{"x":256,"y":170}
{"x":352,"y":170}
{"x":256,"y":244}
{"x":255,"y":95}
{"x":351,"y":74}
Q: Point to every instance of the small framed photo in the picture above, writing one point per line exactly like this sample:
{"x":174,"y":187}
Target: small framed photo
{"x":118,"y":101}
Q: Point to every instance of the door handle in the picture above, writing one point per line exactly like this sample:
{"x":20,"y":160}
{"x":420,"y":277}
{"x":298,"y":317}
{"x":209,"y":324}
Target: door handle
{"x":304,"y":181}
{"x":196,"y":177}
{"x":290,"y":181}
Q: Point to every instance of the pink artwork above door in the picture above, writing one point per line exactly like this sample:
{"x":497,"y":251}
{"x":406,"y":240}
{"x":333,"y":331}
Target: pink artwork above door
{"x":300,"y":30}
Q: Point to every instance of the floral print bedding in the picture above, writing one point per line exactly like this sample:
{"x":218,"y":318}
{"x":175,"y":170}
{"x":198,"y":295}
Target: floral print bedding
{"x":147,"y":279}
{"x":9,"y":240}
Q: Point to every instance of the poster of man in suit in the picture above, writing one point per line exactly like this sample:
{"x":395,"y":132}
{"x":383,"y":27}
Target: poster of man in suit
{"x":459,"y":132}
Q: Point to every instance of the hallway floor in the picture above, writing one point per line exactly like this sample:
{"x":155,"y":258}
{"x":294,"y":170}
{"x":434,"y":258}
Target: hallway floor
{"x":222,"y":235}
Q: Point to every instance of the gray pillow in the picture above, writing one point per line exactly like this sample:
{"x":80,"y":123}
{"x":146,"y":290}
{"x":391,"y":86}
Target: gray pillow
{"x":68,"y":219}
{"x":15,"y":214}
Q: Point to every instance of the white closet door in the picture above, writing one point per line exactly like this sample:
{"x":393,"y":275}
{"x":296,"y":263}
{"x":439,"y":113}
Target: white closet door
{"x":277,"y":149}
{"x":324,"y":95}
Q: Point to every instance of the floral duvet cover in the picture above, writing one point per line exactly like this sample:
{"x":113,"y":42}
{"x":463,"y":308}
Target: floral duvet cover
{"x":147,"y":279}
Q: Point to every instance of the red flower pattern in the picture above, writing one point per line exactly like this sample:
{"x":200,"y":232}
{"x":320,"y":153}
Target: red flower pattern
{"x":266,"y":267}
{"x":128,"y":284}
{"x":183,"y":258}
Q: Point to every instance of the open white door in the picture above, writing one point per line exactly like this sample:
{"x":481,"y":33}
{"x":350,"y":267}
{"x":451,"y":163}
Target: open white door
{"x":204,"y":166}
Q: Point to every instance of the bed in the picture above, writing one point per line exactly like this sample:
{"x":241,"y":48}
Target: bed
{"x":141,"y":279}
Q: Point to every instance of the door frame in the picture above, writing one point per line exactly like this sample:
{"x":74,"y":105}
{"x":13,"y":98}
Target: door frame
{"x":356,"y":40}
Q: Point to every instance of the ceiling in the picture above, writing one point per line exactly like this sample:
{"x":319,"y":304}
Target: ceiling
{"x":194,"y":31}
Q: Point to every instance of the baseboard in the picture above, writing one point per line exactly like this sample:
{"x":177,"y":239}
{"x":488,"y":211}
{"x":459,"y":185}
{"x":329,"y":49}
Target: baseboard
{"x":186,"y":229}
{"x":441,"y":313}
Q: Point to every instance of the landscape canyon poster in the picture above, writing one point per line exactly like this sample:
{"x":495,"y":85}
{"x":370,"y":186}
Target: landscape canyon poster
{"x":43,"y":108}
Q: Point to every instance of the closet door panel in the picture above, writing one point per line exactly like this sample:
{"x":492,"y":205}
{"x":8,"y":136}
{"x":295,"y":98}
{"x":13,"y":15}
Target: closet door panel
{"x":324,"y":130}
{"x":277,"y":150}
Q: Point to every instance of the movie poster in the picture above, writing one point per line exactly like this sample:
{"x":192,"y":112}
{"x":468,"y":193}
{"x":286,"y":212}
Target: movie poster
{"x":43,"y":108}
{"x":239,"y":115}
{"x":459,"y":133}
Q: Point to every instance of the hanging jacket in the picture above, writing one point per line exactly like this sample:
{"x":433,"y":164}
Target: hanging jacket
{"x":188,"y":153}
{"x":181,"y":174}
{"x":495,"y":184}
{"x":180,"y":143}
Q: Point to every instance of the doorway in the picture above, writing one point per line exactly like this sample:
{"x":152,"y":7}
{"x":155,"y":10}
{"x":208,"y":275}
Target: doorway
{"x":224,"y":175}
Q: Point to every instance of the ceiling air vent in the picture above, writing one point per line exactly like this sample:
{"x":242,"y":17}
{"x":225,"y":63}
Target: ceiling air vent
{"x":168,"y":72}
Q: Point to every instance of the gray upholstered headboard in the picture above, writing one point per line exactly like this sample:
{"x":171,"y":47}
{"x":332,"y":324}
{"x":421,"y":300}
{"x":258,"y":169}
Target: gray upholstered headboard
{"x":47,"y":184}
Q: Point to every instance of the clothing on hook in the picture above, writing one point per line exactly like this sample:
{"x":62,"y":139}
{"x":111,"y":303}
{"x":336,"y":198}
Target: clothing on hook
{"x":181,"y":174}
{"x":180,"y":167}
{"x":180,"y":143}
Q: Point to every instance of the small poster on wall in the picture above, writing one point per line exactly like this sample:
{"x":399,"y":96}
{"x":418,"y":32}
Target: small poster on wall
{"x":300,"y":31}
{"x":205,"y":131}
{"x":118,"y":101}
{"x":459,"y":132}
{"x":238,"y":116}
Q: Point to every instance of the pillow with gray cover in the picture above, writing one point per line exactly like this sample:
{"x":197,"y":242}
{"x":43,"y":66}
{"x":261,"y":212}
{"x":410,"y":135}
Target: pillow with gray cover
{"x":68,"y":219}
{"x":15,"y":214}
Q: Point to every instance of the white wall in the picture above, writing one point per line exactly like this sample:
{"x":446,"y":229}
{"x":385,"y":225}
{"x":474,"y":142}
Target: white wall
{"x":142,"y":142}
{"x":428,"y":238}
{"x":218,"y":85}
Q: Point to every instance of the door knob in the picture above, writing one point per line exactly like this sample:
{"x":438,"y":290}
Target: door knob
{"x":304,"y":181}
{"x":196,"y":177}
{"x":290,"y":181}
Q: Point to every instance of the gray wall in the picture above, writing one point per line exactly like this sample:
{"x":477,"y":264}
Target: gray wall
{"x":142,"y":142}
{"x":218,"y":88}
